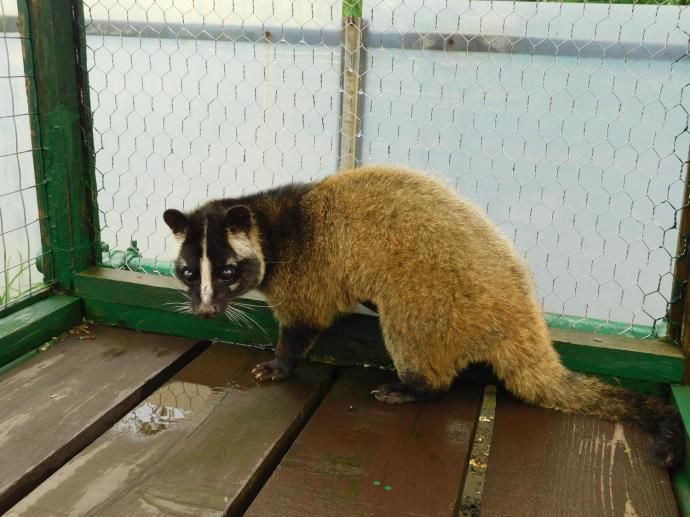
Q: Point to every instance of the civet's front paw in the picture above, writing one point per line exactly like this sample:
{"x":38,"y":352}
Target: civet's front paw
{"x":269,"y":371}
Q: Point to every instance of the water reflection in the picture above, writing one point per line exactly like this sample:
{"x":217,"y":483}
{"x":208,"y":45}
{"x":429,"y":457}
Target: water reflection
{"x":174,"y":402}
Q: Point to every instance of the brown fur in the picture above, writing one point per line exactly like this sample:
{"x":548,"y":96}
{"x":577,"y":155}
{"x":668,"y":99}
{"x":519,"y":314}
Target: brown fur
{"x":449,"y":287}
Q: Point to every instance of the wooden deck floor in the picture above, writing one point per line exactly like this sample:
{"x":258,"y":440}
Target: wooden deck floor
{"x":126,"y":423}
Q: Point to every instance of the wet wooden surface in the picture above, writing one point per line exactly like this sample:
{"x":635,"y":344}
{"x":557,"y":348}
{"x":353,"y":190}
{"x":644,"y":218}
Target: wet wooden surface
{"x":61,"y":400}
{"x":211,"y":441}
{"x":200,"y":445}
{"x":357,"y":456}
{"x":547,"y":463}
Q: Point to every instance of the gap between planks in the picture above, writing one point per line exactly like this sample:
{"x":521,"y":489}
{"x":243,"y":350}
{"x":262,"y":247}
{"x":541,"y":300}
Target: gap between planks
{"x":357,"y":456}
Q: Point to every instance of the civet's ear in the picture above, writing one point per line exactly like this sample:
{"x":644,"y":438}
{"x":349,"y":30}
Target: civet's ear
{"x":177,"y":221}
{"x":238,"y":218}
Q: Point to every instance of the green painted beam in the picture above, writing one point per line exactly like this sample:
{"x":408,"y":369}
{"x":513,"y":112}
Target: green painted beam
{"x":146,"y":302}
{"x":358,"y":338}
{"x":140,"y":289}
{"x":25,"y":302}
{"x":175,"y":324}
{"x":61,"y":135}
{"x":28,"y":328}
{"x":619,"y":356}
{"x":131,"y":260}
{"x":607,"y":327}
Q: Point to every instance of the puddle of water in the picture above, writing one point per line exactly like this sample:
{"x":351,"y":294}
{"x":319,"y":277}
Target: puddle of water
{"x":175,"y":402}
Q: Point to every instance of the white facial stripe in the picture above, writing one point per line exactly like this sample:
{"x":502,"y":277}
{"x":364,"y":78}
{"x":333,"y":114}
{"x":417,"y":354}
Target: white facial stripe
{"x":205,"y":271}
{"x":246,"y":247}
{"x":241,"y":245}
{"x":254,"y":238}
{"x":179,"y":241}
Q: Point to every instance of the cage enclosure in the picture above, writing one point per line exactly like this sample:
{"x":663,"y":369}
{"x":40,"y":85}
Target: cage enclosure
{"x":566,"y":122}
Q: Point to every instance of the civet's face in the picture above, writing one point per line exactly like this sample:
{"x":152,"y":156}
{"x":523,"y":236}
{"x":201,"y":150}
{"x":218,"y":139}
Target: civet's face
{"x":218,"y":258}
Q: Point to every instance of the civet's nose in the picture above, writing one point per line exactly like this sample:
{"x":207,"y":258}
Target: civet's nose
{"x":207,"y":310}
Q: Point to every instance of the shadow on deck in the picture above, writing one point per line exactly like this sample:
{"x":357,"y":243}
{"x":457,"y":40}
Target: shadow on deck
{"x":118,"y":422}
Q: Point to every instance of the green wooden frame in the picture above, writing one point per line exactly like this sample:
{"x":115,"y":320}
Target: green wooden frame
{"x":58,"y":93}
{"x":145,"y":302}
{"x":23,"y":330}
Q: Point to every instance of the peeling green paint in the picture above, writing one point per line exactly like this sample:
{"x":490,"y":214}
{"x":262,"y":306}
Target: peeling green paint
{"x":61,"y":135}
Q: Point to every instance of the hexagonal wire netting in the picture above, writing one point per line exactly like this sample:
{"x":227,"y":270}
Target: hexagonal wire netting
{"x":566,"y":122}
{"x":20,"y":235}
{"x":174,"y":401}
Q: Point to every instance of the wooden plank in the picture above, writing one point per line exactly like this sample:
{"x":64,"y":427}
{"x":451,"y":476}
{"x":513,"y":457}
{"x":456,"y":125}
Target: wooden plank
{"x":548,"y":463}
{"x":357,"y":456}
{"x":142,"y":301}
{"x":33,"y":325}
{"x":54,"y":405}
{"x":200,"y":445}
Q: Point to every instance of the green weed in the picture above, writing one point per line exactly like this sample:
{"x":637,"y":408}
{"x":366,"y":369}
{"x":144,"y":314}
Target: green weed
{"x":14,"y":283}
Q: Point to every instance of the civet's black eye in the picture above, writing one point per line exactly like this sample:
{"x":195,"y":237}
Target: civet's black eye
{"x":227,"y":273}
{"x":187,"y":274}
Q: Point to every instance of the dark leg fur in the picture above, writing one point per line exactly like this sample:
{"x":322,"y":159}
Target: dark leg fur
{"x":294,"y":341}
{"x":413,"y":388}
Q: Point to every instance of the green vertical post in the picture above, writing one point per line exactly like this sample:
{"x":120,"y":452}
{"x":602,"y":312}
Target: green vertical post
{"x":57,"y":88}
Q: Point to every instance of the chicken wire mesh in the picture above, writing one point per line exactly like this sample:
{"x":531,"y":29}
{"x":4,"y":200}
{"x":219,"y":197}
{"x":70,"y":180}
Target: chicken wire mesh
{"x":174,"y":402}
{"x":566,"y":122}
{"x":20,"y":235}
